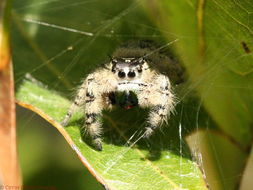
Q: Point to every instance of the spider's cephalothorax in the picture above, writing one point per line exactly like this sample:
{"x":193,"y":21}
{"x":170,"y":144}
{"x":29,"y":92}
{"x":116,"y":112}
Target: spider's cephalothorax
{"x":123,"y":74}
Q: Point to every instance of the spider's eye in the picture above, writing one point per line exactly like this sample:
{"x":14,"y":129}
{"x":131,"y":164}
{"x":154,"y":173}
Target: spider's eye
{"x":121,"y":74}
{"x":139,"y":70}
{"x":131,"y":74}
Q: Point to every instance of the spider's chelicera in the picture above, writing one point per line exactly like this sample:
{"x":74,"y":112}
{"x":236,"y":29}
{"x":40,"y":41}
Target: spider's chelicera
{"x":123,"y":74}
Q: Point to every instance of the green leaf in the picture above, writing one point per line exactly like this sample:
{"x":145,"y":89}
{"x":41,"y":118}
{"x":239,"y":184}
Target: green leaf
{"x":119,"y":166}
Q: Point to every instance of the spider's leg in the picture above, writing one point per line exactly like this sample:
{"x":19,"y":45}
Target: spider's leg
{"x":160,"y":99}
{"x":157,"y":115}
{"x":93,"y":124}
{"x":95,"y":103}
{"x":79,"y":100}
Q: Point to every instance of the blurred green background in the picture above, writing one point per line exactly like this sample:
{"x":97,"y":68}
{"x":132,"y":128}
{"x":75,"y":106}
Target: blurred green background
{"x":210,"y":46}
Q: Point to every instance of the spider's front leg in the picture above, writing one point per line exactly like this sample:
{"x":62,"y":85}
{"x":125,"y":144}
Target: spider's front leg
{"x":95,"y":94}
{"x":99,"y":87}
{"x":159,"y":97}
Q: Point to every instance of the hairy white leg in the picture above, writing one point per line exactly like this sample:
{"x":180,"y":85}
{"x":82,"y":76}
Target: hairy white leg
{"x":158,"y":96}
{"x":94,"y":104}
{"x":92,"y":125}
{"x":79,"y":100}
{"x":94,"y":95}
{"x":98,"y":88}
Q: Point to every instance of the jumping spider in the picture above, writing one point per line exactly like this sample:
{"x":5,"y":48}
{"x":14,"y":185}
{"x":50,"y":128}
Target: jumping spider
{"x":126,"y":72}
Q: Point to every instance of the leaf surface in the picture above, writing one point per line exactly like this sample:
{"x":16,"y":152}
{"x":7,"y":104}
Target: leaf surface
{"x":118,"y":166}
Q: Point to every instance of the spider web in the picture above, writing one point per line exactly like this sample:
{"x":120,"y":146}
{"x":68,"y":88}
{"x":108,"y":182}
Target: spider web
{"x":56,"y":43}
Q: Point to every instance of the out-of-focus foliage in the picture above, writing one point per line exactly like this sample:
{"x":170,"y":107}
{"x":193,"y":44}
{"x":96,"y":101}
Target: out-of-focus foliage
{"x":59,"y":42}
{"x":216,"y":48}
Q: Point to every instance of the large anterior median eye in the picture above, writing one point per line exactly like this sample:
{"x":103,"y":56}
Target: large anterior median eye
{"x":121,"y":74}
{"x":131,"y":74}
